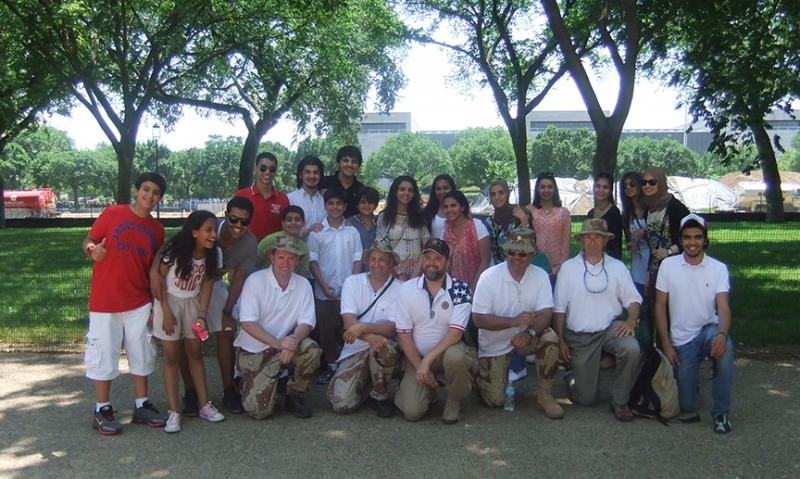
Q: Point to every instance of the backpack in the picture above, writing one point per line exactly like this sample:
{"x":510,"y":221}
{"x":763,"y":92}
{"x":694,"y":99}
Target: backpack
{"x":655,"y":392}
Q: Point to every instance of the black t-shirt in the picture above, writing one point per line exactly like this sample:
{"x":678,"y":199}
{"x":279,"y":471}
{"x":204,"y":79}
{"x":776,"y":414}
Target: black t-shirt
{"x":352,"y":192}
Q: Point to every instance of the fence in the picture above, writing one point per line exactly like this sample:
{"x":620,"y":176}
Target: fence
{"x":45,"y":278}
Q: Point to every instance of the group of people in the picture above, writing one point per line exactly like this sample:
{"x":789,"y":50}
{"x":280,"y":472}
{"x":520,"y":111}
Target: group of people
{"x":320,"y":289}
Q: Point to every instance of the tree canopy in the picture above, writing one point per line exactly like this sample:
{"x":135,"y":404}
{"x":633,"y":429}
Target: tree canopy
{"x":412,"y":154}
{"x":483,"y":155}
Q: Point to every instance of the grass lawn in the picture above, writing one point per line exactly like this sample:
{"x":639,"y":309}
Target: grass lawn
{"x":44,"y":284}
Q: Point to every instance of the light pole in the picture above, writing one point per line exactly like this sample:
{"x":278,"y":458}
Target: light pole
{"x":156,"y":136}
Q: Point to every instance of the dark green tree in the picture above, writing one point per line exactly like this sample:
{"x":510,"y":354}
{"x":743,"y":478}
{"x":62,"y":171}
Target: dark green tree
{"x":482,"y":155}
{"x":638,"y":154}
{"x":563,"y":152}
{"x":412,"y":154}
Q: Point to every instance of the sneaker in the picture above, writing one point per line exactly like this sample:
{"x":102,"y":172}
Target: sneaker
{"x":514,"y":376}
{"x":232,"y":401}
{"x":105,"y":423}
{"x":148,"y":414}
{"x":298,"y":407}
{"x":688,"y":418}
{"x":530,"y":359}
{"x":326,"y":377}
{"x":721,"y":424}
{"x":622,"y":413}
{"x":383,"y":408}
{"x":210,"y":413}
{"x":191,"y":406}
{"x":173,"y":422}
{"x":451,"y":410}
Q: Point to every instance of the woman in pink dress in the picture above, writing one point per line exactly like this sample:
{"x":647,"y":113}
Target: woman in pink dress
{"x":551,"y":222}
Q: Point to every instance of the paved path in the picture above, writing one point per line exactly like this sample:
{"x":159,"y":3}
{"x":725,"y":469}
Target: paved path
{"x":46,"y":404}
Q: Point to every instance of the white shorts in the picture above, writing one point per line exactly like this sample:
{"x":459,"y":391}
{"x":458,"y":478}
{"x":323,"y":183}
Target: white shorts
{"x":185,"y":312}
{"x":105,"y":338}
{"x":219,"y":296}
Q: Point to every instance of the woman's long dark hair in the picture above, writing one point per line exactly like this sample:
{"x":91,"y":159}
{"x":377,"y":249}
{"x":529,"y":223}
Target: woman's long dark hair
{"x":537,"y":200}
{"x":433,"y":202}
{"x":461,"y":199}
{"x":180,"y":247}
{"x":415,"y":217}
{"x":607,"y":176}
{"x":628,"y":207}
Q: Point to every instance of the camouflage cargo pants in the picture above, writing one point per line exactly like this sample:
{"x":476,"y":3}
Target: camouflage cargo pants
{"x":261,"y":371}
{"x":350,"y":386}
{"x":493,"y":376}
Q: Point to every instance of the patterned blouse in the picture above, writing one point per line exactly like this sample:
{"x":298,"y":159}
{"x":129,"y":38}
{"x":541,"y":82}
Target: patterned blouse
{"x":404,"y":240}
{"x":465,"y":256}
{"x":553,"y":232}
{"x":499,"y":235}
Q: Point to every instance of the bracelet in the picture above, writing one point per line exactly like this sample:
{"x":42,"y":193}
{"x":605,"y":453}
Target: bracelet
{"x":227,"y":311}
{"x":724,"y":334}
{"x":200,"y":316}
{"x":89,"y":250}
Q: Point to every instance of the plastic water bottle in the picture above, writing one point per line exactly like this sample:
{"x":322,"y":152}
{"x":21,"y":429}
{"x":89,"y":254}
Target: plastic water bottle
{"x":509,"y":405}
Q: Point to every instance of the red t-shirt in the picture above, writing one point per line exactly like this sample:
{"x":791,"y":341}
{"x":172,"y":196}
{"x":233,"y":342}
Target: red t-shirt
{"x":121,"y":281}
{"x":266,"y":211}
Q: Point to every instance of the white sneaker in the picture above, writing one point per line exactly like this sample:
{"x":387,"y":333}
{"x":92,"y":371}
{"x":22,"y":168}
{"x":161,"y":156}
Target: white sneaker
{"x":210,"y":413}
{"x":530,"y":359}
{"x":514,"y":376}
{"x":173,"y":422}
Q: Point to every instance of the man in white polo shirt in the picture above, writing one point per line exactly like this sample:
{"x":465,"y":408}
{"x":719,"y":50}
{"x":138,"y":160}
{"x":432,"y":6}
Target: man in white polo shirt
{"x":370,"y":353}
{"x":695,"y":286}
{"x":432,"y":313}
{"x":591,"y":291}
{"x":513,"y":307}
{"x":310,"y":171}
{"x":276,"y":310}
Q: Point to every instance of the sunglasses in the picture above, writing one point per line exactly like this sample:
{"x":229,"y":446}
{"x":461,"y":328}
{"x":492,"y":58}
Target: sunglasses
{"x":649,"y":182}
{"x":263,"y":168}
{"x":521,"y":254}
{"x":629,"y":184}
{"x":234,"y":220}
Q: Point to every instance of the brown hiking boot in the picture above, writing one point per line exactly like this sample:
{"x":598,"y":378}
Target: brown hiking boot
{"x":546,"y":402}
{"x":451,"y":409}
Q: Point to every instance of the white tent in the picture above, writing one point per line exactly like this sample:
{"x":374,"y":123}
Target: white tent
{"x":750,"y":194}
{"x":576,"y":195}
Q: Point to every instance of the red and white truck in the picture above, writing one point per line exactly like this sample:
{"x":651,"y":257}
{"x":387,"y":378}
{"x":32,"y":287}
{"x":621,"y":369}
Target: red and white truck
{"x":34,"y":203}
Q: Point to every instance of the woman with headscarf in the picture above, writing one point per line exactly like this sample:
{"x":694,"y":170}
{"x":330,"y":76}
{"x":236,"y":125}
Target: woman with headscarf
{"x":506,"y":217}
{"x":664,"y":214}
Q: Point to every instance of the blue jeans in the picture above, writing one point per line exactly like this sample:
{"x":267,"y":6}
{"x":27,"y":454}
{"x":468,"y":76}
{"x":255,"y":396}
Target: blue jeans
{"x":690,"y":355}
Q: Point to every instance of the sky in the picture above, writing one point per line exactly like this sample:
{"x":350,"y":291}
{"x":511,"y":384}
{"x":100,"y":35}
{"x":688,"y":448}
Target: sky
{"x":433,"y":102}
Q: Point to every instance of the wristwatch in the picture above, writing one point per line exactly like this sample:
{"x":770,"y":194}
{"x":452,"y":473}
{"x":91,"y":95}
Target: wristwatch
{"x":532,"y":332}
{"x":669,"y":251}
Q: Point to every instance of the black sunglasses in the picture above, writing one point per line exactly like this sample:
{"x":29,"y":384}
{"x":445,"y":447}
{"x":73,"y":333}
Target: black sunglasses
{"x":263,"y":168}
{"x":521,"y":254}
{"x":630,"y":184}
{"x":649,"y":182}
{"x":234,"y":220}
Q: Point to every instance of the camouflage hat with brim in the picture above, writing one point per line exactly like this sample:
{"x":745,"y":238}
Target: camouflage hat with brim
{"x":594,"y":226}
{"x":285,"y":243}
{"x":382,"y":247}
{"x":520,"y":239}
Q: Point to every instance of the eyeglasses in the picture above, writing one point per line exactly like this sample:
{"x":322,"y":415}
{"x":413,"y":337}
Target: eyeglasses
{"x":593,"y":278}
{"x":234,"y":220}
{"x":521,"y":254}
{"x":649,"y":182}
{"x":264,"y":168}
{"x":629,"y":184}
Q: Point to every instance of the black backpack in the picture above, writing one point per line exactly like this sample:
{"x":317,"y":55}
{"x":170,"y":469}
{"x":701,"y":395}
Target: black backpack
{"x":655,"y":393}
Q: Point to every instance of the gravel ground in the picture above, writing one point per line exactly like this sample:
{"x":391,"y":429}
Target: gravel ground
{"x":46,"y":405}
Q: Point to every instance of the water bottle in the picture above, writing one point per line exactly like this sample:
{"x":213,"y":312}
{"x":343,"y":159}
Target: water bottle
{"x":509,"y":405}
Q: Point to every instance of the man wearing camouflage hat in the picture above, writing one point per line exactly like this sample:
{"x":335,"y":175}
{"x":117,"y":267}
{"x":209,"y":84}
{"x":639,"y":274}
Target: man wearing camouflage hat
{"x":591,"y":292}
{"x":370,"y":353}
{"x":513,"y":306}
{"x":276,"y":310}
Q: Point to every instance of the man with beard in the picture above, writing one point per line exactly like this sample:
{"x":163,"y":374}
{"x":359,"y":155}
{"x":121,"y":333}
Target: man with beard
{"x":696,"y":286}
{"x":432,"y":313}
{"x":307,"y":196}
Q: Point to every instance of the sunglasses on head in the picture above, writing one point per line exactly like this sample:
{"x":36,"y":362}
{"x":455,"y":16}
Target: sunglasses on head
{"x":234,"y":220}
{"x":263,"y":168}
{"x":521,"y":254}
{"x":630,"y":184}
{"x":649,"y":182}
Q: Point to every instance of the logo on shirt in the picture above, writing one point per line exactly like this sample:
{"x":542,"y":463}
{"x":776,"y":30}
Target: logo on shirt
{"x":445,"y":305}
{"x":276,"y":208}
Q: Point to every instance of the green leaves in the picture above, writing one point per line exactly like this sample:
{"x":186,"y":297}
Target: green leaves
{"x":411,"y":154}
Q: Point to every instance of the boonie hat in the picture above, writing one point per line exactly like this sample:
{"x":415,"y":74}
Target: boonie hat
{"x":383,"y":248}
{"x":438,"y":246}
{"x":696,"y":218}
{"x":594,"y":225}
{"x":520,"y":239}
{"x":285,"y":243}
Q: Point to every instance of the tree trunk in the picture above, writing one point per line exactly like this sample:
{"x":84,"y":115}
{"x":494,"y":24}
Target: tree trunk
{"x":519,"y":139}
{"x":125,"y":150}
{"x":605,"y":154}
{"x":772,"y":177}
{"x":75,"y":195}
{"x":249,"y":153}
{"x":2,"y":203}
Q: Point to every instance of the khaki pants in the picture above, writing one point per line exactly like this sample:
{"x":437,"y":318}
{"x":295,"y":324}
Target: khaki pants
{"x":493,"y":377}
{"x":585,"y":350}
{"x":414,"y":399}
{"x":261,"y":371}
{"x":360,"y":376}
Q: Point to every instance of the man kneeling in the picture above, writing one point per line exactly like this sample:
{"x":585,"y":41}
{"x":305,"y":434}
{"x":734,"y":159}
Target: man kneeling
{"x":370,"y":353}
{"x":277,"y":314}
{"x":513,"y":306}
